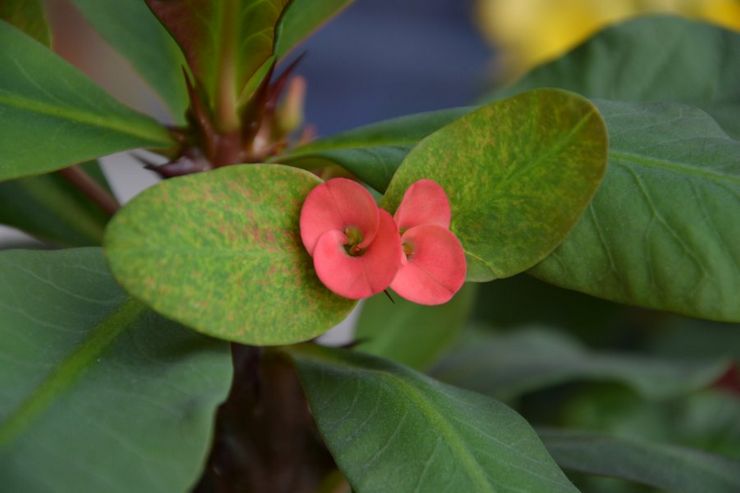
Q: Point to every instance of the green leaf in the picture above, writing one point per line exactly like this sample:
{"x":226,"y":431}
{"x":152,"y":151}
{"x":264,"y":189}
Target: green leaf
{"x":660,"y":233}
{"x":51,"y":116}
{"x":411,"y":334}
{"x":131,"y":28}
{"x":98,"y":393}
{"x":51,"y":209}
{"x":373,"y":152}
{"x":657,"y":58}
{"x":221,"y":253}
{"x":391,"y":429}
{"x":225,"y":42}
{"x":528,"y":359}
{"x":301,"y":18}
{"x":28,"y":16}
{"x":669,"y":468}
{"x":518,"y":173}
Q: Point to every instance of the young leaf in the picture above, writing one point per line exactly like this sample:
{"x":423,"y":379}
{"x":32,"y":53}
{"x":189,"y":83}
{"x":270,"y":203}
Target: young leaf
{"x":225,"y":42}
{"x":527,"y":360}
{"x":662,"y":231}
{"x":51,"y":116}
{"x":98,"y":393}
{"x":51,"y":209}
{"x":131,"y":28}
{"x":373,"y":152}
{"x":656,"y":58}
{"x":519,"y":173}
{"x":221,"y":253}
{"x":411,"y":334}
{"x":28,"y":16}
{"x":666,"y":467}
{"x":391,"y":429}
{"x":301,"y":18}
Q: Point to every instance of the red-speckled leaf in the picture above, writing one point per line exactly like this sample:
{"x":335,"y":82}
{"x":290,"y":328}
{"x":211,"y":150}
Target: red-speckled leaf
{"x":221,"y":252}
{"x":225,"y":42}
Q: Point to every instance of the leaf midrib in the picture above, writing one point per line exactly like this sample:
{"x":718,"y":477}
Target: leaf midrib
{"x":69,"y":370}
{"x":625,"y":158}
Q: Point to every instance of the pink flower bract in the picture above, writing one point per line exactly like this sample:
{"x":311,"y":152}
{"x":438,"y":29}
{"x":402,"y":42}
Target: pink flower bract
{"x":433,"y":264}
{"x":355,"y":245}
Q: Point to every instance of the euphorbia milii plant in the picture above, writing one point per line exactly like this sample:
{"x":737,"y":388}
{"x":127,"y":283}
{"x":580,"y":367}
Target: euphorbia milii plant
{"x":180,"y":351}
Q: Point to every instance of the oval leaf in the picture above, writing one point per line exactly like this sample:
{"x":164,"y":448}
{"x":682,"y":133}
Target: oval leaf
{"x":131,"y":28}
{"x":98,"y":393}
{"x":51,"y":116}
{"x":391,"y":430}
{"x":666,"y":467}
{"x":663,"y":231}
{"x":518,"y":174}
{"x":661,"y":58}
{"x":526,"y":360}
{"x":221,"y":253}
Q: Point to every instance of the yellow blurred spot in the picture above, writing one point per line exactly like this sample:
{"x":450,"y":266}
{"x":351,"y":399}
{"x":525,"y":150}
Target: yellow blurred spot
{"x":530,"y":32}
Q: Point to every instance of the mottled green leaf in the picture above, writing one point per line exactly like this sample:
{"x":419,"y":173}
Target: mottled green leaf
{"x":96,"y":392}
{"x":51,"y":209}
{"x":373,"y":152}
{"x":412,"y":334}
{"x":221,"y":252}
{"x":131,"y":28}
{"x":51,"y":116}
{"x":391,"y":429}
{"x":225,"y":43}
{"x":301,"y":18}
{"x":526,"y":360}
{"x":663,"y":231}
{"x":518,"y":173}
{"x":657,"y":58}
{"x":667,"y":467}
{"x":28,"y":16}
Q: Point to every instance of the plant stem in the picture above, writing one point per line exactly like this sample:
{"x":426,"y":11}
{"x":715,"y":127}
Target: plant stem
{"x":91,"y":189}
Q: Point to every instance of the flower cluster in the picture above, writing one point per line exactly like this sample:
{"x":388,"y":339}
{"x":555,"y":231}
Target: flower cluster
{"x":359,"y":250}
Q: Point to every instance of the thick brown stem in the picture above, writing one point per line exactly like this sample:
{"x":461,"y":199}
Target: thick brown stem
{"x":91,"y":189}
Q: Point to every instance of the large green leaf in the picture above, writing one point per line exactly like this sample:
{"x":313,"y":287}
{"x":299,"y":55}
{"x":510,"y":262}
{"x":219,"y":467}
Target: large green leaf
{"x":226,"y":43}
{"x":519,"y":173}
{"x":131,"y":28}
{"x":28,"y":16}
{"x":301,"y":19}
{"x":374,"y":152}
{"x":51,"y":209}
{"x":663,"y":231}
{"x":526,"y":360}
{"x":221,"y":253}
{"x":391,"y":429}
{"x":669,"y":468}
{"x":412,"y":334}
{"x":51,"y":116}
{"x":98,"y":393}
{"x":656,"y":58}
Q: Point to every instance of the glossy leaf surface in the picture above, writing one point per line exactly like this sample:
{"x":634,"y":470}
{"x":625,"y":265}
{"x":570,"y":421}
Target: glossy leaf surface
{"x":411,"y":334}
{"x":666,"y":467}
{"x":373,"y":152}
{"x":656,"y":58}
{"x":518,"y":174}
{"x":527,"y":360}
{"x":98,"y":393}
{"x":131,"y":28}
{"x":51,"y":209}
{"x":391,"y":429}
{"x":51,"y":116}
{"x":662,"y":232}
{"x":221,"y":252}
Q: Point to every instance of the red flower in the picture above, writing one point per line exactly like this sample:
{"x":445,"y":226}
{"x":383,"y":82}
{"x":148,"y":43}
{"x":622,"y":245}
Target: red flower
{"x":355,"y":245}
{"x":433,"y":266}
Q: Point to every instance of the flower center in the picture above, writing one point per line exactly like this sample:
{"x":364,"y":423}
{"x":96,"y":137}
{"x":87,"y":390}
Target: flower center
{"x":354,"y":238}
{"x":408,"y":249}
